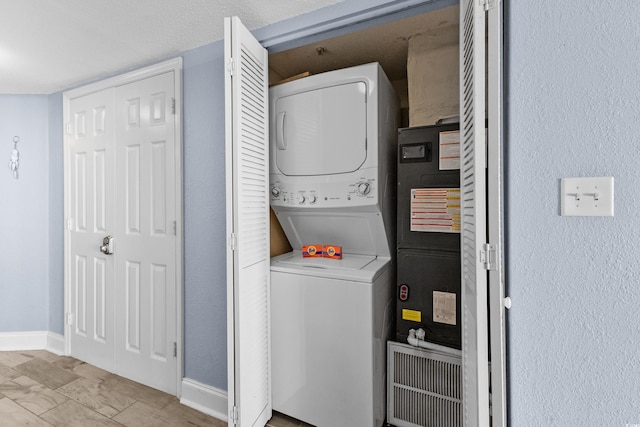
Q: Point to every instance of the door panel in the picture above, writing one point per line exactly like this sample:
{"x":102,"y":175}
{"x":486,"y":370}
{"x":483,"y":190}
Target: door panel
{"x":90,"y":162}
{"x":145,"y":264}
{"x":121,"y":174}
{"x":247,"y":162}
{"x":475,"y":337}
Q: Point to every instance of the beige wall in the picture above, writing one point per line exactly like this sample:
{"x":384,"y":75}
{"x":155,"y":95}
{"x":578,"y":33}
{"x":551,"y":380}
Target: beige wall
{"x":432,"y":73}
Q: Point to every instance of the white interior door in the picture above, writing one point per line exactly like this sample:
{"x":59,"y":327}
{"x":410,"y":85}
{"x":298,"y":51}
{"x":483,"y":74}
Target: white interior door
{"x":145,"y":229}
{"x":248,"y":262}
{"x":122,"y":178}
{"x":483,"y":296}
{"x":90,"y":217}
{"x":477,"y":253}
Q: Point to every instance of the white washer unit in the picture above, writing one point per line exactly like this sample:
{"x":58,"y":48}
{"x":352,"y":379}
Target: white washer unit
{"x":332,"y":161}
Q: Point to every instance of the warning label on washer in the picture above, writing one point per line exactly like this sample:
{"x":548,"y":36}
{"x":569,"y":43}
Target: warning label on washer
{"x":444,"y":307}
{"x":435,"y":209}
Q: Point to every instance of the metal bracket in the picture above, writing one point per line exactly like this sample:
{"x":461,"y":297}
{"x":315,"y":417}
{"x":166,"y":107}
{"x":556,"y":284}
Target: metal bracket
{"x":234,"y":415}
{"x":488,"y":4}
{"x":233,"y":241}
{"x":230,"y":66}
{"x":488,"y":257}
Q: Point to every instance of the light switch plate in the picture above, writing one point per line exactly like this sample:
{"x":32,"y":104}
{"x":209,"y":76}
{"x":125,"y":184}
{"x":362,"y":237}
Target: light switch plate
{"x":587,"y":196}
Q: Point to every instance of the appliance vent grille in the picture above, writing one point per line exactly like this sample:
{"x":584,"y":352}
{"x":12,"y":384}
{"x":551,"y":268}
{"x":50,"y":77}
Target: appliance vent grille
{"x":425,"y":386}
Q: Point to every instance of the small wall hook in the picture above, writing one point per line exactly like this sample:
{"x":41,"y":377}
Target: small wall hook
{"x":14,"y":161}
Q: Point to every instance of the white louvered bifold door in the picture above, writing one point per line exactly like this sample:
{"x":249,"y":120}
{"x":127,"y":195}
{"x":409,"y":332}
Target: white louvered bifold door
{"x":247,"y":143}
{"x":475,"y":353}
{"x":494,"y":212}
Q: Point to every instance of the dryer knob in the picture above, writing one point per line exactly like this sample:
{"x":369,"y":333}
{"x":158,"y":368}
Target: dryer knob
{"x":275,"y":192}
{"x":364,"y":188}
{"x":313,"y":199}
{"x":301,"y":199}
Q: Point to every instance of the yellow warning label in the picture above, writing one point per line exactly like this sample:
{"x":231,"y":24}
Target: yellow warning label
{"x":411,"y":315}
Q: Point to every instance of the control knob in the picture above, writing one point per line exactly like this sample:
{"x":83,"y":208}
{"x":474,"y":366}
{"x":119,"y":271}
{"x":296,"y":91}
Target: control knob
{"x":313,"y":198}
{"x":364,"y":188}
{"x":275,"y":192}
{"x":301,"y":199}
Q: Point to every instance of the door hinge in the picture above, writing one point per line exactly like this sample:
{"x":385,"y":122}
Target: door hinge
{"x":230,"y":66}
{"x":488,"y":257}
{"x":233,"y":241}
{"x":175,"y":349}
{"x":233,"y":415}
{"x":69,"y":319}
{"x":68,"y":128}
{"x":488,"y":4}
{"x":175,"y":228}
{"x":173,"y":106}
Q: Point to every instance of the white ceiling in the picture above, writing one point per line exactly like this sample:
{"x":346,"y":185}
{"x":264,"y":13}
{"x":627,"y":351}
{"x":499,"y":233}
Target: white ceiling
{"x":50,"y":45}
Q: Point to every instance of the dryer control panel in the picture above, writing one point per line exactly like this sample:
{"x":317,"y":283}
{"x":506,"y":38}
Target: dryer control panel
{"x":317,"y":192}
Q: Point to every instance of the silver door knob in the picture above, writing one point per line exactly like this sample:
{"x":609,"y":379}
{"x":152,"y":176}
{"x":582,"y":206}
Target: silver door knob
{"x":107,"y":245}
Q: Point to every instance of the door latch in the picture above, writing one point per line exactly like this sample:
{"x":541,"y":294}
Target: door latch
{"x":107,"y":245}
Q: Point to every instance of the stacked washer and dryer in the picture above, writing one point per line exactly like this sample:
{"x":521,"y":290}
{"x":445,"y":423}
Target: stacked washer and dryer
{"x":332,"y":165}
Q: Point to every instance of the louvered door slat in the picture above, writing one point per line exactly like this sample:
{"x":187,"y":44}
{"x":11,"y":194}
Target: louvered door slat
{"x":473,"y":202}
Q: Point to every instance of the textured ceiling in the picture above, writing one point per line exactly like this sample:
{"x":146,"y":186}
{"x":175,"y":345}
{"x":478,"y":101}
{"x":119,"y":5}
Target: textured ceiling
{"x":50,"y":45}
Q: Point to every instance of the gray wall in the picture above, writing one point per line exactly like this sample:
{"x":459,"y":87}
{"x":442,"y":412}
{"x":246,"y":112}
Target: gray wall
{"x":24,"y":212}
{"x":573,"y":110}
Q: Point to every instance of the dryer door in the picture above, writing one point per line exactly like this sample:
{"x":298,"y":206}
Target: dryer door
{"x":321,"y":131}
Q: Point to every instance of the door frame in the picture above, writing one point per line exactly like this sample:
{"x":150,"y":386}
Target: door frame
{"x":175,"y":66}
{"x":328,"y":26}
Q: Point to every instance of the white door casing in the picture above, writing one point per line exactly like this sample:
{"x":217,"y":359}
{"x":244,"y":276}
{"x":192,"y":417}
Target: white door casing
{"x":497,"y":300}
{"x":139,"y":302}
{"x":248,"y":262}
{"x":478,"y":224}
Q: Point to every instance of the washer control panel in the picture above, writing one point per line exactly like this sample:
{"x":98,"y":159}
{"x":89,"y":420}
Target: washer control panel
{"x":323,"y":192}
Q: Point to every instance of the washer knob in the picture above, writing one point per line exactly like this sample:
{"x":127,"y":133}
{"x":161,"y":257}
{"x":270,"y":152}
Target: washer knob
{"x":364,"y":188}
{"x":301,"y":199}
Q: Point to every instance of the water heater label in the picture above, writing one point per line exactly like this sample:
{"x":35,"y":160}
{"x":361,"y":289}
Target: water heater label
{"x":412,"y":315}
{"x":444,"y":307}
{"x":449,"y":150}
{"x":435,"y":209}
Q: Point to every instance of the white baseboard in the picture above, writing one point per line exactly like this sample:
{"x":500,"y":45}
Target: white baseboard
{"x":204,"y":398}
{"x":55,"y":343}
{"x":32,"y":340}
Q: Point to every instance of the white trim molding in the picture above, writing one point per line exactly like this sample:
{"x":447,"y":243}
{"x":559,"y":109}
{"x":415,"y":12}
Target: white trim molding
{"x":32,"y":340}
{"x":204,"y":398}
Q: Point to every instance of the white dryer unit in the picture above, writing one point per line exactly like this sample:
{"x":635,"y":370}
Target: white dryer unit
{"x":332,"y":159}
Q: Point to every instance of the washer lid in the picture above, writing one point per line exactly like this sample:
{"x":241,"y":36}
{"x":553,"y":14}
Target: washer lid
{"x":356,"y":268}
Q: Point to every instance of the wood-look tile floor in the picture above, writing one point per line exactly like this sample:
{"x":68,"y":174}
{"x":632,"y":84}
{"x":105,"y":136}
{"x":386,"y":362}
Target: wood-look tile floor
{"x":38,"y":388}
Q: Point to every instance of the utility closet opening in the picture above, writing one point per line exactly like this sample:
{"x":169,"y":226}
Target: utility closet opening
{"x":419,"y":55}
